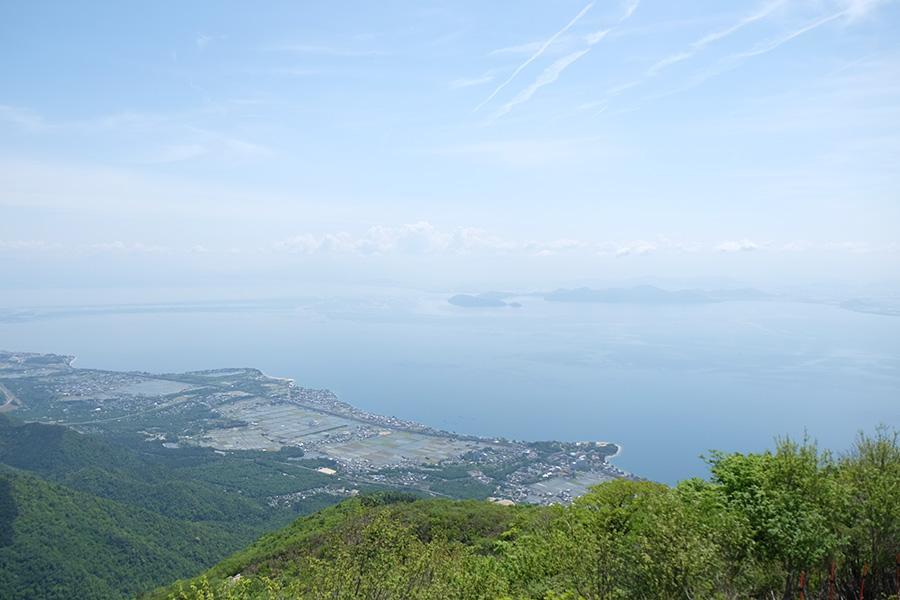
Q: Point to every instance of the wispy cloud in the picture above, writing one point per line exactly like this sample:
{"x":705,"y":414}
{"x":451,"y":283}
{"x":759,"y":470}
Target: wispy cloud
{"x":638,"y":248}
{"x":528,"y":48}
{"x":694,"y":48}
{"x":69,"y":249}
{"x":743,"y":245}
{"x":32,"y":121}
{"x":210,"y":144}
{"x":412,"y":238}
{"x":535,"y":55}
{"x":733,"y":61}
{"x":849,"y":11}
{"x":773,"y":44}
{"x":28,"y":245}
{"x":160,"y":138}
{"x":423,"y":238}
{"x":137,"y":194}
{"x":119,"y":246}
{"x":547,"y":76}
{"x":464,"y":82}
{"x":857,"y":9}
{"x":630,"y":7}
{"x":714,"y":36}
{"x":22,"y":118}
{"x":552,"y":73}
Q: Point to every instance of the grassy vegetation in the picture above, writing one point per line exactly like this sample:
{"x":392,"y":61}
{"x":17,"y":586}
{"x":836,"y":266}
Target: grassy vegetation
{"x":770,"y":525}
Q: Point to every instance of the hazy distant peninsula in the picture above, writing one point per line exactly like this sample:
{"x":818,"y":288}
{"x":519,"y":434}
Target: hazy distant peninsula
{"x":641,"y":294}
{"x":872,"y":307}
{"x":648,"y":294}
{"x":651,"y":295}
{"x":488,"y":300}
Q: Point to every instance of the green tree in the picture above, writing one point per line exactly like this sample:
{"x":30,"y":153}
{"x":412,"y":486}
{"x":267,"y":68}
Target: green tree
{"x":790,"y":499}
{"x":870,"y":473}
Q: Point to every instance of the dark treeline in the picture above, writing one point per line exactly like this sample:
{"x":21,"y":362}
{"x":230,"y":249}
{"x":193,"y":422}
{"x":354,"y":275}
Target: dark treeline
{"x":795,"y":522}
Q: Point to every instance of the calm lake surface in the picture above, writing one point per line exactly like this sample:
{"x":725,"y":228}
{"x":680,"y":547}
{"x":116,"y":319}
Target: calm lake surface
{"x":667,"y":382}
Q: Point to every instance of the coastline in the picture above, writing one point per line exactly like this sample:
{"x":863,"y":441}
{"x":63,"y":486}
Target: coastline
{"x":332,"y":404}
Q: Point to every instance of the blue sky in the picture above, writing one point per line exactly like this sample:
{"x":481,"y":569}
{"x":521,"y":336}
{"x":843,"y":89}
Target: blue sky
{"x":509,"y":142}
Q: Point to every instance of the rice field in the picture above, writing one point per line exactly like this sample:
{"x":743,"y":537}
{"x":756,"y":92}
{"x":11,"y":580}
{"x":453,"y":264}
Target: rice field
{"x":271,"y":426}
{"x":395,"y":446}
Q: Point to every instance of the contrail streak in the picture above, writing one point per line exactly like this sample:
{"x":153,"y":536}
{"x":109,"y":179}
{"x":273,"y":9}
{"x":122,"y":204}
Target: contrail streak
{"x":552,"y":73}
{"x":715,"y":36}
{"x":796,"y":33}
{"x":535,"y":56}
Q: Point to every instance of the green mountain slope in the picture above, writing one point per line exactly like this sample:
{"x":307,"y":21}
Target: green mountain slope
{"x":763,"y":526}
{"x":92,"y":464}
{"x":82,"y":516}
{"x":61,"y":543}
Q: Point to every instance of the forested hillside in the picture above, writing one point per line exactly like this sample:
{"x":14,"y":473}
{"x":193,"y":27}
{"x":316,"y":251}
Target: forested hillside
{"x":86,"y":517}
{"x":772,"y":525}
{"x":56,"y":542}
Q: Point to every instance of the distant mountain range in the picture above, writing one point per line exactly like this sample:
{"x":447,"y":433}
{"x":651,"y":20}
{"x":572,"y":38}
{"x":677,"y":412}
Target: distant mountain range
{"x":873,"y":307}
{"x":488,"y":300}
{"x":888,"y":306}
{"x":648,"y":294}
{"x":641,"y":294}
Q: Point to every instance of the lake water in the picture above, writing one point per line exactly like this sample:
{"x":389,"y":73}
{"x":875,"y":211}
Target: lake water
{"x":666,"y":382}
